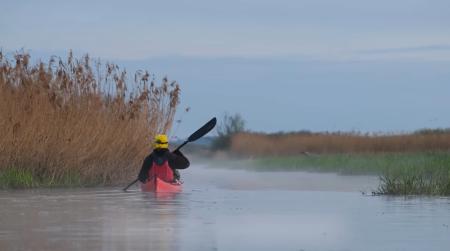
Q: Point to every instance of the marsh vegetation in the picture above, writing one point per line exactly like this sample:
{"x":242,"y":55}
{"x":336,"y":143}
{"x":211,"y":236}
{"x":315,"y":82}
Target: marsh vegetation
{"x":76,"y":120}
{"x":417,"y":163}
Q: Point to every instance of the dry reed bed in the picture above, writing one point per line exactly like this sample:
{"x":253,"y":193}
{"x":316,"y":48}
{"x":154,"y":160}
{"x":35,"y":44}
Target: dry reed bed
{"x":256,"y":144}
{"x":78,"y":117}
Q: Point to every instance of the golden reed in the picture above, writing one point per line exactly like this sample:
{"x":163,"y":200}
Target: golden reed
{"x":78,"y":116}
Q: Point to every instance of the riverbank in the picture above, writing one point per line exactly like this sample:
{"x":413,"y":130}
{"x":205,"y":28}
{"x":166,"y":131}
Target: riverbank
{"x":416,"y":163}
{"x":426,"y":173}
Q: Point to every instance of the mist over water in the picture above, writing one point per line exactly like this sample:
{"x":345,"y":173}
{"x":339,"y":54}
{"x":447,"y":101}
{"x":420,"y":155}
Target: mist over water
{"x":222,"y":209}
{"x":241,"y":179}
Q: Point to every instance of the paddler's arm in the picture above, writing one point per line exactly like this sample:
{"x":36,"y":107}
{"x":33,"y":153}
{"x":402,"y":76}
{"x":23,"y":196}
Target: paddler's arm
{"x":178,"y":161}
{"x":143,"y":174}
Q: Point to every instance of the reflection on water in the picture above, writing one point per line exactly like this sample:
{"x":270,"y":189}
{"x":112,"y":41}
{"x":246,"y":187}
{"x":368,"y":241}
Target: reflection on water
{"x":214,"y":213}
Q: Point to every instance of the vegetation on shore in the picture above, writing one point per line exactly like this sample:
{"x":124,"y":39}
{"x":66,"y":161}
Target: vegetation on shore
{"x":229,"y":126}
{"x":364,"y":163}
{"x":400,"y":173}
{"x":23,"y":178}
{"x":76,"y":121}
{"x":416,"y":163}
{"x":286,"y":144}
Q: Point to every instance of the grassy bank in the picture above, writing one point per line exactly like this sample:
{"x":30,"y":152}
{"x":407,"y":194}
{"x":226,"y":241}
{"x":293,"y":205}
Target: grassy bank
{"x":76,"y":121}
{"x":400,"y":173}
{"x":15,"y":178}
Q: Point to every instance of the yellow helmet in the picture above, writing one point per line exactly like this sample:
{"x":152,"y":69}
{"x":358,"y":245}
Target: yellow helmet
{"x":161,"y":142}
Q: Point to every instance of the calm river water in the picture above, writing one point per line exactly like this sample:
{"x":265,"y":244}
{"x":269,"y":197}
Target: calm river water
{"x":226,"y":210}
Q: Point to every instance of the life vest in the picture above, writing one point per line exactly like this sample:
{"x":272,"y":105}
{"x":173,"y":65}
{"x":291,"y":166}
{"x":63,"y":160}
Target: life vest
{"x":162,"y":171}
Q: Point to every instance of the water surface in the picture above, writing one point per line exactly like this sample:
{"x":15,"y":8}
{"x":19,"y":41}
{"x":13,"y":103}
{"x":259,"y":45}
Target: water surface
{"x":226,"y":210}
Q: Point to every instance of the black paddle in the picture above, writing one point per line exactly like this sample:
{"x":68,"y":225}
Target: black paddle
{"x":196,"y":135}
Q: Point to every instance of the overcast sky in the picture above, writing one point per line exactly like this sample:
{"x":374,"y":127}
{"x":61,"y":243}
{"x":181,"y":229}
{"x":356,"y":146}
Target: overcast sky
{"x":284,"y":65}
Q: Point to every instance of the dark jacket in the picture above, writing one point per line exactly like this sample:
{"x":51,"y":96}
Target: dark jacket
{"x":176,"y":161}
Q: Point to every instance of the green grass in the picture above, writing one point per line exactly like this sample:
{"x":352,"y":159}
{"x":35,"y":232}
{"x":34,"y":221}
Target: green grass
{"x":400,"y":173}
{"x":13,"y":178}
{"x":19,"y":178}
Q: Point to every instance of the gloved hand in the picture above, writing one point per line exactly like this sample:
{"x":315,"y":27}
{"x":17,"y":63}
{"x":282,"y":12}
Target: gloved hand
{"x":178,"y":152}
{"x":142,"y":179}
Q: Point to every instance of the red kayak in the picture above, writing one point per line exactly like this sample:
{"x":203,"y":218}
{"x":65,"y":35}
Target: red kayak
{"x":158,"y":185}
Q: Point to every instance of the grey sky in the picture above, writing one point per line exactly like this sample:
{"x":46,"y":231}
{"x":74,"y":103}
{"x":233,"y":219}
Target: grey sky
{"x":285,"y":65}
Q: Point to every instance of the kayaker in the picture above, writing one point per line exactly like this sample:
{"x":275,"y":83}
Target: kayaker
{"x":163,"y":163}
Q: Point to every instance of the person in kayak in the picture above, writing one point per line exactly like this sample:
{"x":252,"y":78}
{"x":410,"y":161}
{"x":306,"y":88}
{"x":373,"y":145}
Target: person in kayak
{"x":163,"y":163}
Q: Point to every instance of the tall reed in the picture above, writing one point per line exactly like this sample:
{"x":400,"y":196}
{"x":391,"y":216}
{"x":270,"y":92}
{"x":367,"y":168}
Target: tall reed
{"x":79,"y":116}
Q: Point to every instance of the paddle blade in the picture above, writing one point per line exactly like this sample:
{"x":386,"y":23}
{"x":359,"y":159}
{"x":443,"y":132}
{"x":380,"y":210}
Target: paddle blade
{"x":203,"y":130}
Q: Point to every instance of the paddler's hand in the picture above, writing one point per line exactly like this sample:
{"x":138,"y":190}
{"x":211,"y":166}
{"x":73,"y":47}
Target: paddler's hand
{"x":178,"y":152}
{"x":142,"y":180}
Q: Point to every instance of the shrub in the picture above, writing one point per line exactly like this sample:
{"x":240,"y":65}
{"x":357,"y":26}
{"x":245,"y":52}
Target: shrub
{"x":230,"y":125}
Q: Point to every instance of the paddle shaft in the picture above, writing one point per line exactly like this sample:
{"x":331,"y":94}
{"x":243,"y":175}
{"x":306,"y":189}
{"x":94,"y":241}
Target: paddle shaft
{"x":132,"y":183}
{"x":179,"y":147}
